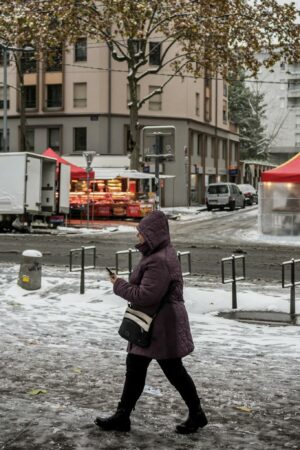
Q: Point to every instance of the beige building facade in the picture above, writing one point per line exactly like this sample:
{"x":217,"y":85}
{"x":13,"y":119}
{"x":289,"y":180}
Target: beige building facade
{"x":78,"y":101}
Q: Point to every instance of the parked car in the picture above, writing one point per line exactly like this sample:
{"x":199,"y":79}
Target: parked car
{"x":224,"y":195}
{"x":249,"y":192}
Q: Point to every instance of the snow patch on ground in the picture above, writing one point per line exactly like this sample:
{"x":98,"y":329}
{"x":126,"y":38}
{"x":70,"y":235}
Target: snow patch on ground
{"x":62,"y":363}
{"x":194,"y":214}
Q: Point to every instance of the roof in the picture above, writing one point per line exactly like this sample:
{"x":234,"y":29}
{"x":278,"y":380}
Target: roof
{"x":259,"y":162}
{"x":288,"y":172}
{"x":114,"y":172}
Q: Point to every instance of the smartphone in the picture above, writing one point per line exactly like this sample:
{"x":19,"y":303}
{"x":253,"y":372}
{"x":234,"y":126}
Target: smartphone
{"x":111,"y":273}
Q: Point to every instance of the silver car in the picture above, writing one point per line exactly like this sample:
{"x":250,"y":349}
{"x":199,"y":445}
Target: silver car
{"x":224,"y":195}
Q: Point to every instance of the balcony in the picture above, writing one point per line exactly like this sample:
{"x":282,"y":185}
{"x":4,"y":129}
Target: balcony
{"x":293,"y":93}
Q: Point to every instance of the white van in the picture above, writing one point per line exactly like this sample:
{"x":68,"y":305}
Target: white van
{"x":224,"y":195}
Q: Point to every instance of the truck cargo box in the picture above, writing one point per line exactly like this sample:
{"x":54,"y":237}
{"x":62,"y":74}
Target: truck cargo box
{"x":27,"y":183}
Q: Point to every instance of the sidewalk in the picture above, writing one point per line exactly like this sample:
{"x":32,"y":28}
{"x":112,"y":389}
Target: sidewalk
{"x":62,"y":363}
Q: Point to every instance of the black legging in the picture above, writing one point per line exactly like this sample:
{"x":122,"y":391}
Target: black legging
{"x":136,"y":371}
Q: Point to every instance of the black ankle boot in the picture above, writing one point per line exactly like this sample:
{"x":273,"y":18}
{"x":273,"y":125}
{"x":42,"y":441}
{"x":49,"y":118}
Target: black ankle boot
{"x":195,"y":420}
{"x":119,"y":421}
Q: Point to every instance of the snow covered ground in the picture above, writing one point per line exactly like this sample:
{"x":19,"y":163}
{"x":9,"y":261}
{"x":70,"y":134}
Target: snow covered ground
{"x":62,"y":363}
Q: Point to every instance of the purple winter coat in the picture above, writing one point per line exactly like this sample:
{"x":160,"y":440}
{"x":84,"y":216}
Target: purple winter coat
{"x":157,"y":273}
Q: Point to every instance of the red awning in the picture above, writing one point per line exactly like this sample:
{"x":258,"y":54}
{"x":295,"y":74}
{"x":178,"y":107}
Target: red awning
{"x":288,"y":172}
{"x":76,"y":171}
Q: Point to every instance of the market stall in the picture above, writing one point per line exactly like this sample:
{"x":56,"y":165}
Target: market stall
{"x":279,"y":199}
{"x":113,"y":193}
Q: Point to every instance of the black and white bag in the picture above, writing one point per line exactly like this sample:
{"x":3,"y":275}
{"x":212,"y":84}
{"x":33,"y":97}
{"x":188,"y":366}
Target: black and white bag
{"x":136,"y":327}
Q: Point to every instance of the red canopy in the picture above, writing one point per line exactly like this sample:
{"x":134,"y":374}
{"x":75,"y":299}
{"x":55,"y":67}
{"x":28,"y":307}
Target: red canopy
{"x":76,"y":171}
{"x":288,"y":172}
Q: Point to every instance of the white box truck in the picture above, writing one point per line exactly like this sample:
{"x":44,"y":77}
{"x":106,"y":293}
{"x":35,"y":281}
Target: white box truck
{"x":31,"y":186}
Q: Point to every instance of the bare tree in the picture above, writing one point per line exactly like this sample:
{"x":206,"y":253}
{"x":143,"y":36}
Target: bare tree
{"x":196,"y":36}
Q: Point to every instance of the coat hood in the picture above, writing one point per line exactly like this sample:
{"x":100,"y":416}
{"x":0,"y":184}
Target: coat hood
{"x":155,"y":229}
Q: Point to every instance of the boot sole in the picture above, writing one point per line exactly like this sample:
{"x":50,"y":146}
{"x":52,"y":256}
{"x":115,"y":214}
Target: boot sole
{"x":111,"y":428}
{"x":185,"y":430}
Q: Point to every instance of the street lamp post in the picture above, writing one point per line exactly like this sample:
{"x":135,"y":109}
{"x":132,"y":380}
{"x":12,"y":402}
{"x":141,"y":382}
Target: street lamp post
{"x":4,"y":134}
{"x":6,"y":49}
{"x":89,"y":156}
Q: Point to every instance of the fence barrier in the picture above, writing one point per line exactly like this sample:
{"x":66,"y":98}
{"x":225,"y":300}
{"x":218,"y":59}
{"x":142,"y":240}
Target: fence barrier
{"x":188,"y":254}
{"x":82,"y":267}
{"x":293,"y":283}
{"x":130,"y":252}
{"x":233,"y":278}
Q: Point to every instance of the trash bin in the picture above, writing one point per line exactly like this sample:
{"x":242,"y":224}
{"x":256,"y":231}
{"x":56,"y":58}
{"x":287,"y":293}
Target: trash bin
{"x":30,"y":275}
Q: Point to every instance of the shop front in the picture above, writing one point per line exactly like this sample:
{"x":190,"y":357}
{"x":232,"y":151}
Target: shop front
{"x":112,"y":194}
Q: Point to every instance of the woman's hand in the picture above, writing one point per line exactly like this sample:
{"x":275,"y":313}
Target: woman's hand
{"x":113,"y":278}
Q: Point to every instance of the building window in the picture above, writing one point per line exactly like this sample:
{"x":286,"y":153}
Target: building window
{"x":207,"y":98}
{"x":225,"y":110}
{"x":207,"y":109}
{"x":154,"y":53}
{"x":294,"y":85}
{"x":79,"y":95}
{"x":224,"y":150}
{"x":128,"y":94}
{"x":293,"y":102}
{"x":81,"y":50}
{"x":54,"y":96}
{"x":135,"y":45}
{"x":30,"y":97}
{"x":28,"y":62}
{"x":1,"y":141}
{"x":54,"y":139}
{"x":2,"y":99}
{"x":155,"y":102}
{"x":297,"y":139}
{"x":54,"y":60}
{"x":197,"y":111}
{"x":199,"y":145}
{"x":79,"y":139}
{"x":225,"y":89}
{"x":29,"y":136}
{"x":296,"y":67}
{"x":205,"y":144}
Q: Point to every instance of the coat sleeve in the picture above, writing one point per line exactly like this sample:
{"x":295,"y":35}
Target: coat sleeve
{"x":153,"y":286}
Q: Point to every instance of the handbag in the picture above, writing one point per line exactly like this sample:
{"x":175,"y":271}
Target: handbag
{"x":136,"y":326}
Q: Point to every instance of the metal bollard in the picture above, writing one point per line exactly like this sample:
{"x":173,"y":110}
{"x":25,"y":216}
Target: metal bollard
{"x":292,"y":263}
{"x":131,"y":252}
{"x":128,"y":252}
{"x":83,"y":267}
{"x":30,"y":274}
{"x":188,"y":254}
{"x":234,"y":278}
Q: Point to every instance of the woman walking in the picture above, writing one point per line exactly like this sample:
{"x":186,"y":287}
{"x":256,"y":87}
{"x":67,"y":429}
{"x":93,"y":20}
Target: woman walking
{"x":157,"y":276}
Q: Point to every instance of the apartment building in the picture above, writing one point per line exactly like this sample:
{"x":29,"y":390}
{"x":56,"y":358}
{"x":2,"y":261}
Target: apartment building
{"x":76,"y":99}
{"x":281,"y":88}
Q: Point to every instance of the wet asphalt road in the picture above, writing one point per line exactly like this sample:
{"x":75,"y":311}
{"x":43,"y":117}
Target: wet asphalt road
{"x":208,"y":242}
